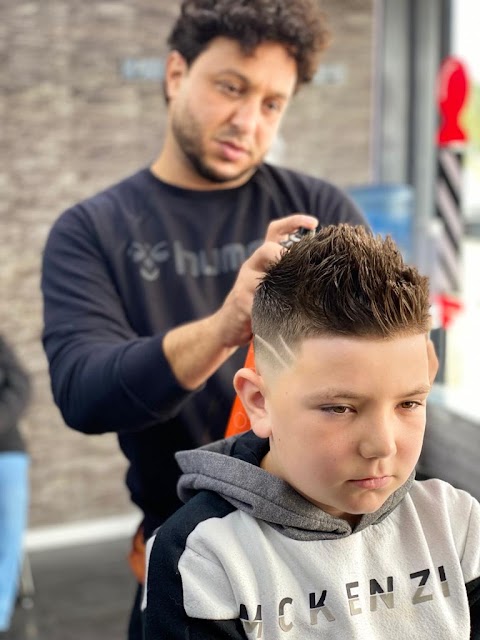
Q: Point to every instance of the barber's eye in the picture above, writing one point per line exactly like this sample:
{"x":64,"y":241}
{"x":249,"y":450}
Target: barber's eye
{"x":273,"y":105}
{"x":229,"y":88}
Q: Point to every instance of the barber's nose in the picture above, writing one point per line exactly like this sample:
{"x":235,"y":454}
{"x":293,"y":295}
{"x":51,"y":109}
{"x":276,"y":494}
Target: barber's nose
{"x":247,"y":115}
{"x":378,"y":438}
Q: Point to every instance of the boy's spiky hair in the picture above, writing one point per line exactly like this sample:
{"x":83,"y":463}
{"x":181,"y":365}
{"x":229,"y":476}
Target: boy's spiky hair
{"x":298,"y":24}
{"x":342,"y":281}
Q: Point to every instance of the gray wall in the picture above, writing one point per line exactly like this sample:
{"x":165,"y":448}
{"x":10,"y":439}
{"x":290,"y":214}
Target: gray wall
{"x":72,"y":123}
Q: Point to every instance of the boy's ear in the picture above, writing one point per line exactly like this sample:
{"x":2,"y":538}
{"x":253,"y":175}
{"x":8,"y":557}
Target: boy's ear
{"x":175,"y":68}
{"x":250,"y":388}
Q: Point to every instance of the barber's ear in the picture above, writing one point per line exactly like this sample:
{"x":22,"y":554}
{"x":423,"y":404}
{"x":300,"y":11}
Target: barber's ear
{"x":432,"y":361}
{"x":176,"y":68}
{"x":250,"y":388}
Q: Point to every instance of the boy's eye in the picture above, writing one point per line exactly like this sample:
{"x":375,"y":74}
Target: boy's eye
{"x":338,"y":409}
{"x":410,"y":404}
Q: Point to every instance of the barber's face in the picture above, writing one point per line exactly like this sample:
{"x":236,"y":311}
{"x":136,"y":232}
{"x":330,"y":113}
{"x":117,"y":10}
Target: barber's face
{"x":225,"y":109}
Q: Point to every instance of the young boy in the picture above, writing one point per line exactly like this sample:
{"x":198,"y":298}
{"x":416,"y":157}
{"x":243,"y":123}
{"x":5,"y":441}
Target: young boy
{"x":311,"y":525}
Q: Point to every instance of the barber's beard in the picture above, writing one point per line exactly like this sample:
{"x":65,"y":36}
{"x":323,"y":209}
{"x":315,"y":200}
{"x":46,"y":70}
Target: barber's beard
{"x":188,"y":136}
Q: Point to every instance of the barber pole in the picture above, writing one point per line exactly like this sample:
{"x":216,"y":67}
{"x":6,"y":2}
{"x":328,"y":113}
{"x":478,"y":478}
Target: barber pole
{"x":451,"y":141}
{"x":448,"y":209}
{"x":446,"y":272}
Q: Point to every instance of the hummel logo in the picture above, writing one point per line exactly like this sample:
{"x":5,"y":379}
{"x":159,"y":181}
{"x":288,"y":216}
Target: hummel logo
{"x":149,"y":257}
{"x":226,"y":259}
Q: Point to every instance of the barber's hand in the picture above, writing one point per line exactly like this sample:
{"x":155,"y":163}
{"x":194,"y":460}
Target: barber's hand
{"x":234,"y":316}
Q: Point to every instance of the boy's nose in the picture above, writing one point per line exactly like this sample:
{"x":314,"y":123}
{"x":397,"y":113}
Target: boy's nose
{"x":378,"y":439}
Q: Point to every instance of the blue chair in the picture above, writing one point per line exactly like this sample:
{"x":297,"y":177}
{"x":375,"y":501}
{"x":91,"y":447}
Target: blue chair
{"x":14,"y":501}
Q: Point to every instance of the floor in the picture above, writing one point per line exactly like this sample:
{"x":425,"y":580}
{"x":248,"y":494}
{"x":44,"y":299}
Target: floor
{"x":83,"y":592}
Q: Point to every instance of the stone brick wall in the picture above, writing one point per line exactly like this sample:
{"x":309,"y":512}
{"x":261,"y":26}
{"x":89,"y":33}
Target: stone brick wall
{"x":75,"y":118}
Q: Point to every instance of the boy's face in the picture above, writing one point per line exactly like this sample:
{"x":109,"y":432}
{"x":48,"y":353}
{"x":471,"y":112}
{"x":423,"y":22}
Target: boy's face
{"x":345,"y":421}
{"x":225,"y":109}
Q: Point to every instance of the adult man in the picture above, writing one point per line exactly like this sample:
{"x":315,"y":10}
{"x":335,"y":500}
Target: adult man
{"x":148,"y":286}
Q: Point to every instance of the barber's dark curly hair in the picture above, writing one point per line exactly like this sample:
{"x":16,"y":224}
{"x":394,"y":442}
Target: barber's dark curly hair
{"x":298,"y":24}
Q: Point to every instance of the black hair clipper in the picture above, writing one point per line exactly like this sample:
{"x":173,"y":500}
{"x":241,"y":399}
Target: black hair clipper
{"x":297,"y":235}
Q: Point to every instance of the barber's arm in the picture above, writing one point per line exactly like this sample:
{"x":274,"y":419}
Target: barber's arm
{"x":104,"y":376}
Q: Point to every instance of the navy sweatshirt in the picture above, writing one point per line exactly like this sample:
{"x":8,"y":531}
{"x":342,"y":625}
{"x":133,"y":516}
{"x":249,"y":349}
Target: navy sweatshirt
{"x":122,"y":268}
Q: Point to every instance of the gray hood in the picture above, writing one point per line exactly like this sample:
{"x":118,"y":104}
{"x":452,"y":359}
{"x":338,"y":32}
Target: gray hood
{"x":231,"y":468}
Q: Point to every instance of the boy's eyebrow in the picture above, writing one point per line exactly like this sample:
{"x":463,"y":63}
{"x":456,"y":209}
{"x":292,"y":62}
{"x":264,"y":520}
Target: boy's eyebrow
{"x":333,"y":394}
{"x":423,"y":388}
{"x":346,"y":394}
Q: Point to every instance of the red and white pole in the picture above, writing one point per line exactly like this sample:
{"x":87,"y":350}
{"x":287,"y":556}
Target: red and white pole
{"x":446,"y":272}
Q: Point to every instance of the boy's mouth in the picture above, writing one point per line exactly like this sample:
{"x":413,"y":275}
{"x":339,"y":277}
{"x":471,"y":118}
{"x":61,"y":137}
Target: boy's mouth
{"x":377,"y":482}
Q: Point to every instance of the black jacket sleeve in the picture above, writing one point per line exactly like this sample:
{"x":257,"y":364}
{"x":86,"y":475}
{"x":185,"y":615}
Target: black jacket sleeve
{"x":14,"y":388}
{"x":164,"y":615}
{"x":473,"y":592}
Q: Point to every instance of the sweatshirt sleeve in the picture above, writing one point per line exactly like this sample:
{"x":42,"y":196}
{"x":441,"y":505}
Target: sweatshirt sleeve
{"x":104,"y":377}
{"x":471,"y":567}
{"x":473,"y":592}
{"x":14,"y":388}
{"x":172,"y":610}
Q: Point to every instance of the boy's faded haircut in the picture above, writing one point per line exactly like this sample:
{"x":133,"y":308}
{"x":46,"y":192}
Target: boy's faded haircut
{"x":297,"y":24}
{"x":342,"y":281}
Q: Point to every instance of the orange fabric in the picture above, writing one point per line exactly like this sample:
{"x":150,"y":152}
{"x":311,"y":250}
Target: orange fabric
{"x":237,"y":423}
{"x":238,"y":420}
{"x":136,"y":556}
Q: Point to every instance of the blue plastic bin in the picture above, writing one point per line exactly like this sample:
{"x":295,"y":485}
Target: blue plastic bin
{"x":389,"y":210}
